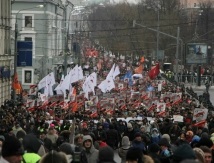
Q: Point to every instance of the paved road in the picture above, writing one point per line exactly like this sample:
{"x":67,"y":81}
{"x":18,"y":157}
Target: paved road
{"x":200,"y":92}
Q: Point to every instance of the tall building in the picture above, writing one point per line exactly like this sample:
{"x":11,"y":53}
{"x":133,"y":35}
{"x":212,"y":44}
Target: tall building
{"x":41,"y":37}
{"x":5,"y":51}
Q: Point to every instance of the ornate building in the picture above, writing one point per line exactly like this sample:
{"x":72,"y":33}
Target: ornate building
{"x":5,"y":50}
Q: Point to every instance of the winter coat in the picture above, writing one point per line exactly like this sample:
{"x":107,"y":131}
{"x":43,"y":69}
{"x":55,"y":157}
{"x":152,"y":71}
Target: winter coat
{"x":112,"y":137}
{"x":138,"y":144}
{"x":122,"y":151}
{"x":155,"y":137}
{"x":92,"y":153}
{"x":130,"y":134}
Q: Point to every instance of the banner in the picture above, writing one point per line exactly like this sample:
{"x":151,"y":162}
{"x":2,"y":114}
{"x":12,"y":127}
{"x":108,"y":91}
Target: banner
{"x":200,"y":114}
{"x":178,"y":118}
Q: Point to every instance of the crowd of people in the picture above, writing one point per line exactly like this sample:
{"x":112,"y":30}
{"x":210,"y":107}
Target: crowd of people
{"x":44,"y":135}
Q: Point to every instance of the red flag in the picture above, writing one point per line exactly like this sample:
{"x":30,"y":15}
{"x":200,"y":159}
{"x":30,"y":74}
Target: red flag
{"x":155,"y":70}
{"x":200,"y":124}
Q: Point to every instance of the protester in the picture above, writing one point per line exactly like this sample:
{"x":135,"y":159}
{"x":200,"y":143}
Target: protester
{"x":106,"y":155}
{"x":207,"y":154}
{"x":134,"y":155}
{"x":54,"y":157}
{"x":138,"y":142}
{"x":90,"y":151}
{"x":123,"y":149}
{"x":66,"y":148}
{"x":12,"y":150}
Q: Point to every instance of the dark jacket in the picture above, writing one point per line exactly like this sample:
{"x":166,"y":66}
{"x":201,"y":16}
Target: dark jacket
{"x":112,"y":137}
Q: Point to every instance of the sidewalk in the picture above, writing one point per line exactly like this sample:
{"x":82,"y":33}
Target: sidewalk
{"x":200,"y":88}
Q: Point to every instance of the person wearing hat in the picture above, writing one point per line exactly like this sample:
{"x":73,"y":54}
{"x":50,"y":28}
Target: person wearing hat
{"x":112,"y":137}
{"x":106,"y":155}
{"x":183,"y":152}
{"x":134,"y":155}
{"x":12,"y":150}
{"x":122,"y":151}
{"x":138,"y":142}
{"x":130,"y":132}
{"x":164,"y":146}
{"x":145,"y":135}
{"x":31,"y":146}
{"x":67,"y":149}
{"x":52,"y":134}
{"x":90,"y":151}
{"x":154,"y":152}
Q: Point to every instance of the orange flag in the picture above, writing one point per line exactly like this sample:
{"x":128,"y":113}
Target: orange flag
{"x":139,"y":70}
{"x":142,"y":59}
{"x":74,"y":106}
{"x":16,"y":85}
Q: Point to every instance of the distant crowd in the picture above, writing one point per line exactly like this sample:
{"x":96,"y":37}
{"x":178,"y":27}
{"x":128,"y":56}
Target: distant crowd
{"x":29,"y":135}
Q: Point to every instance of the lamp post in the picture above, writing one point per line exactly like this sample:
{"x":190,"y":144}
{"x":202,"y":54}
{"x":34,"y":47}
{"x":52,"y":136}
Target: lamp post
{"x":171,"y":36}
{"x":15,"y":45}
{"x":67,"y":25}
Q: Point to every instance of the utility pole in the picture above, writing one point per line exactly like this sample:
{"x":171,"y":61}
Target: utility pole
{"x":171,"y":36}
{"x":158,"y":34}
{"x":65,"y":40}
{"x":176,"y":55}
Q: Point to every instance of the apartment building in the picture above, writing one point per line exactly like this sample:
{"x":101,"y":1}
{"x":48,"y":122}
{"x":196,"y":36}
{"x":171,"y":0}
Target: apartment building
{"x":5,"y":51}
{"x":41,"y":31}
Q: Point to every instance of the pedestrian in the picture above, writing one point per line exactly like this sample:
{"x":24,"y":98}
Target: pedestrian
{"x":199,"y":155}
{"x":207,"y":154}
{"x":134,"y":155}
{"x":106,"y":155}
{"x":122,"y":151}
{"x":66,"y":148}
{"x":31,"y":146}
{"x":138,"y":142}
{"x":12,"y":150}
{"x":54,"y":157}
{"x":90,"y":151}
{"x":182,"y":153}
{"x":130,"y":132}
{"x":112,"y":137}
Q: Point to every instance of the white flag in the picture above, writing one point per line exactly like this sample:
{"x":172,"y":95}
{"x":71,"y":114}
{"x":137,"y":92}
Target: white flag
{"x":110,"y":84}
{"x":80,"y":73}
{"x":111,"y":73}
{"x":58,"y":89}
{"x":49,"y":78}
{"x":74,"y":74}
{"x":66,"y":82}
{"x":116,"y":72}
{"x":103,"y":86}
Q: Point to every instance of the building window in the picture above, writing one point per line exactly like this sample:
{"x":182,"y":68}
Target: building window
{"x":195,"y":5}
{"x":28,"y":38}
{"x":28,"y":22}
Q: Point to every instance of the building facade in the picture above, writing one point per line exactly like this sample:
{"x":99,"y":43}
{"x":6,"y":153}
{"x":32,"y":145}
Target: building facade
{"x":5,"y":51}
{"x":41,"y":34}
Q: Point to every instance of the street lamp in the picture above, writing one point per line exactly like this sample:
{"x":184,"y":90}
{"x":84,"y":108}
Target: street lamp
{"x":171,"y":36}
{"x":15,"y":44}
